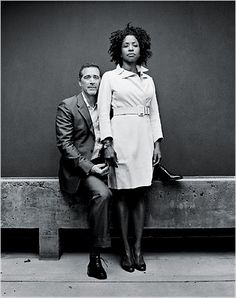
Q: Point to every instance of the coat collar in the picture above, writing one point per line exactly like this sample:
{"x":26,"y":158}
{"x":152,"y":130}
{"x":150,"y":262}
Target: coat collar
{"x":83,"y":109}
{"x":125,"y":73}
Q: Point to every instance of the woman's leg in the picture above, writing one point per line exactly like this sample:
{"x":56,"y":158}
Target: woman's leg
{"x":123,"y":221}
{"x":138,"y":216}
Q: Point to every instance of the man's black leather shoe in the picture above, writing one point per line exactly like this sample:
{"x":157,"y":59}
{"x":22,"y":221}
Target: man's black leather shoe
{"x":163,"y":174}
{"x":95,"y":268}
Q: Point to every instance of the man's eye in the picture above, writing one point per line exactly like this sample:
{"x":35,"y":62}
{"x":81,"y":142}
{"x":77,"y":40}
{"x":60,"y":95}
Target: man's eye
{"x":86,"y":77}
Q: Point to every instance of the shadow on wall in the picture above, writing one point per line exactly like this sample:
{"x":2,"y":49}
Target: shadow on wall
{"x":26,"y":240}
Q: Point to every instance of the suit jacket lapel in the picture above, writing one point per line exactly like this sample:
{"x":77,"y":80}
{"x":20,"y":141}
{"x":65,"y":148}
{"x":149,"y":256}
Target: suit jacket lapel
{"x":84,"y":112}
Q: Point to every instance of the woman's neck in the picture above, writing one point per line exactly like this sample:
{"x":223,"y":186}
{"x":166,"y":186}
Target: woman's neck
{"x":130,"y":67}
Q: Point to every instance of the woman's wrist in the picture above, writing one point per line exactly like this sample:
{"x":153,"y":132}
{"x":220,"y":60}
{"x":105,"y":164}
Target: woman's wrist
{"x":107,"y":142}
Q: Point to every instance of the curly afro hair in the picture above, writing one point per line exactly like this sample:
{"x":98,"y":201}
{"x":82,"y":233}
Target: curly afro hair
{"x":140,"y":34}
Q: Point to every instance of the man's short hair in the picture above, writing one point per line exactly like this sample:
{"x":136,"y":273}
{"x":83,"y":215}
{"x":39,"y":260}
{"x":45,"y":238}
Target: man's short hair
{"x":87,"y":65}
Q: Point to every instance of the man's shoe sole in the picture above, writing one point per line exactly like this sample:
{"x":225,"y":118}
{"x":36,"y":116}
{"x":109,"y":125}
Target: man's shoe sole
{"x":95,"y":276}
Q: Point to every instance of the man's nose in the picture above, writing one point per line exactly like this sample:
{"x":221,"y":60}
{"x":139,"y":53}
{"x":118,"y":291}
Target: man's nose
{"x":92,"y":81}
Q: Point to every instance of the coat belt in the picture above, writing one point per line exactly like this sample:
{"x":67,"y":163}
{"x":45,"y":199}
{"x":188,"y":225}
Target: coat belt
{"x":138,"y":110}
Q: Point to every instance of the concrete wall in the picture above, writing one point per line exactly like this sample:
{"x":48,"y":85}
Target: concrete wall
{"x":44,"y":43}
{"x":194,"y":202}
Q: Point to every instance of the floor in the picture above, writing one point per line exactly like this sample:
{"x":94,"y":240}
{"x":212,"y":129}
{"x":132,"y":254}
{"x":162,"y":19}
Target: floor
{"x":168,"y":274}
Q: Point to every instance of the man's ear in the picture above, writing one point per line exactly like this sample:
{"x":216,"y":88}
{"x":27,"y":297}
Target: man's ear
{"x":79,"y":83}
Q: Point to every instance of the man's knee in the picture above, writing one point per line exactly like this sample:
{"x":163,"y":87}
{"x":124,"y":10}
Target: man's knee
{"x":103,"y":195}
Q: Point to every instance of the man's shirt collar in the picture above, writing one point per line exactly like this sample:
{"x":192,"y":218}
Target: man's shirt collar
{"x":87,"y":104}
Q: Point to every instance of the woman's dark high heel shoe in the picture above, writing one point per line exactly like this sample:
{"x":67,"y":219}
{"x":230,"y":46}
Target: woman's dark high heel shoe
{"x":127,"y":263}
{"x":139,"y":263}
{"x":163,"y":174}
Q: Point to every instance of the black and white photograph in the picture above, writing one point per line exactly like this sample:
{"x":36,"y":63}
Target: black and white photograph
{"x":118,"y":148}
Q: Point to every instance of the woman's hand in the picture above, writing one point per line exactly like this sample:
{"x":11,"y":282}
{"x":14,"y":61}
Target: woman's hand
{"x":156,"y":153}
{"x":109,"y":153}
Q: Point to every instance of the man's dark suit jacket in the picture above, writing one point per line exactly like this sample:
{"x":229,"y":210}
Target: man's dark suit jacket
{"x":75,"y":140}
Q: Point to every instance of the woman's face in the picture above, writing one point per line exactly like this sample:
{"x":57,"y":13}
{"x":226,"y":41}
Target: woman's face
{"x":130,"y":50}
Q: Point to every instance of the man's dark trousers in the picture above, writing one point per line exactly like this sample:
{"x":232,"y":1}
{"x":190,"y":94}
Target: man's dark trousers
{"x":99,"y":202}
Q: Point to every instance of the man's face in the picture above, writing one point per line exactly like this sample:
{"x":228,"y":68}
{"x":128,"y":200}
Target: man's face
{"x":90,"y":80}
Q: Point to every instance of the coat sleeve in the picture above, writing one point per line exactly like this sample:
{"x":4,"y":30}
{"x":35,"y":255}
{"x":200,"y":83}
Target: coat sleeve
{"x":155,"y":117}
{"x":104,"y":107}
{"x":64,"y":134}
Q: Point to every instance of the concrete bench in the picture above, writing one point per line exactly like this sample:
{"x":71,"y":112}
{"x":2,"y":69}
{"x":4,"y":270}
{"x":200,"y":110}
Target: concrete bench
{"x":194,"y":202}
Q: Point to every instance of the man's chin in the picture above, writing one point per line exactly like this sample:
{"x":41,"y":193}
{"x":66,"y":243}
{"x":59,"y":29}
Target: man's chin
{"x":92,"y":92}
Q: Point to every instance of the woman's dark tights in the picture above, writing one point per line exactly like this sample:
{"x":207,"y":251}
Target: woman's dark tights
{"x":130,"y":205}
{"x":138,"y":214}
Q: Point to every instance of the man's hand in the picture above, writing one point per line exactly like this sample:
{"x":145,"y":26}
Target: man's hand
{"x":156,"y":154}
{"x":100,"y":169}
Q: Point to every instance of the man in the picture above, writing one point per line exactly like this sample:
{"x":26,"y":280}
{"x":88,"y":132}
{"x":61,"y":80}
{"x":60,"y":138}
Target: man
{"x":81,"y":168}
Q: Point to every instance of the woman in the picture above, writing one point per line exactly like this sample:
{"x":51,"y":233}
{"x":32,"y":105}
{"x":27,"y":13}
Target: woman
{"x":134,"y":132}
